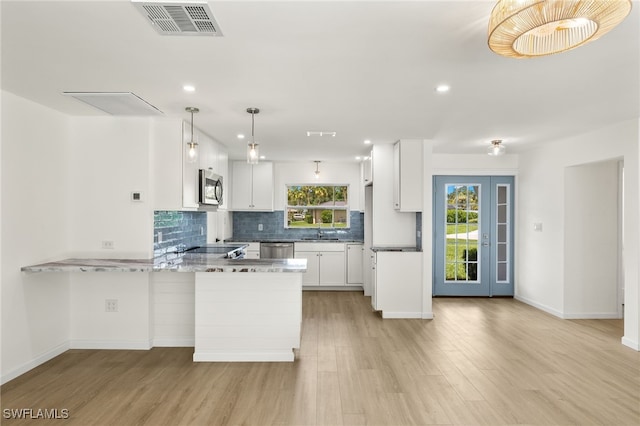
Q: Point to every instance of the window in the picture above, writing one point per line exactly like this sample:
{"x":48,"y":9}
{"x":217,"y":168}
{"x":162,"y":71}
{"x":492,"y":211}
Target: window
{"x":317,"y":206}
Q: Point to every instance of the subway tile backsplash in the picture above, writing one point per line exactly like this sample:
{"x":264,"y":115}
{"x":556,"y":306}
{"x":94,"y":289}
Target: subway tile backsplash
{"x":179,"y":230}
{"x":245,"y":227}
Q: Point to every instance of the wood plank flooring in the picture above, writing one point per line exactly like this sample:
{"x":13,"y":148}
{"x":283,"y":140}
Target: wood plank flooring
{"x":479,"y":362}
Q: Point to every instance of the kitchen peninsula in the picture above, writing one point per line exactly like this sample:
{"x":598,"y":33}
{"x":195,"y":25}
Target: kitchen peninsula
{"x":245,"y":309}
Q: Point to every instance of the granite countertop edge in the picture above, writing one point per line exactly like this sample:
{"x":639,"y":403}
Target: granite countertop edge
{"x":187,"y":262}
{"x":291,"y":240}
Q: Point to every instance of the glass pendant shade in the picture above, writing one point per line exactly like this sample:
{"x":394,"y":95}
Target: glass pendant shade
{"x":192,"y":152}
{"x":253,"y":153}
{"x":496,"y":148}
{"x":529,"y":28}
{"x":192,"y":146}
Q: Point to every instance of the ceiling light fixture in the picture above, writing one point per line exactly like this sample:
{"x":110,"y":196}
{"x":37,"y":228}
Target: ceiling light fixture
{"x":443,"y":88}
{"x":529,"y":28}
{"x":188,"y":88}
{"x":252,"y":148}
{"x":240,"y":136}
{"x":367,"y":142}
{"x":317,"y":172}
{"x":192,"y":146}
{"x":496,"y":148}
{"x":316,"y":133}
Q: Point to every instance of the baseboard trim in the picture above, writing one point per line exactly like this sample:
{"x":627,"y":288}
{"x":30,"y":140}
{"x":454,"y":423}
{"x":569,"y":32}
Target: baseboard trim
{"x":41,"y":359}
{"x":400,"y":315}
{"x":333,"y":288}
{"x":630,"y":343}
{"x":110,"y":344}
{"x":540,"y":306}
{"x":172,"y":342}
{"x":592,"y":315}
{"x":245,"y":356}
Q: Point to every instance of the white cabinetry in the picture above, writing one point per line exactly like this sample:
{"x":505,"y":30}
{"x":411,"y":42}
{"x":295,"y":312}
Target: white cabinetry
{"x":407,"y":175}
{"x":325,"y":263}
{"x":397,"y":284}
{"x":367,"y":173}
{"x":253,"y":250}
{"x":252,"y":186}
{"x":354,"y":264}
{"x":175,"y":180}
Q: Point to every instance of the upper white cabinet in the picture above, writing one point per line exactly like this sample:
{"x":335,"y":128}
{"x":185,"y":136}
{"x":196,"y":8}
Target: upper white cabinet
{"x":175,"y":180}
{"x":367,"y":172}
{"x":407,"y":175}
{"x":252,"y":186}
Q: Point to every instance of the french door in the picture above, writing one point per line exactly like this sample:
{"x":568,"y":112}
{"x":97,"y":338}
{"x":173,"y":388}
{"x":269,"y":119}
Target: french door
{"x":473,"y":236}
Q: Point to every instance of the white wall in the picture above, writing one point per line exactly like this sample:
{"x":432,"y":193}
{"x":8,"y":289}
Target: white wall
{"x":475,"y":164}
{"x":110,"y":158}
{"x":35,"y":196}
{"x":541,"y":189}
{"x":591,"y":241}
{"x":330,"y":173}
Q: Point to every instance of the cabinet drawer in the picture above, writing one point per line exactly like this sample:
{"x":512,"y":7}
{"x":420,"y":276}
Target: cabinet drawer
{"x":319,"y":247}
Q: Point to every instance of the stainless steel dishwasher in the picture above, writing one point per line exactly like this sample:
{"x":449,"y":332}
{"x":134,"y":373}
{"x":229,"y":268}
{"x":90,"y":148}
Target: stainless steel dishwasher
{"x":276,"y":250}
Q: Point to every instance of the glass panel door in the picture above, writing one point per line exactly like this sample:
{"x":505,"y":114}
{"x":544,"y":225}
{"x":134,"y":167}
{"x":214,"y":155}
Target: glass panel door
{"x":473,"y":248}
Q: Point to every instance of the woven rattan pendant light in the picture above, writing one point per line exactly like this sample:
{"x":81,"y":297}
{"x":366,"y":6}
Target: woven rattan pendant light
{"x":529,"y":28}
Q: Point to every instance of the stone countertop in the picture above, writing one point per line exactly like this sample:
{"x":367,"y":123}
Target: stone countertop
{"x":179,"y":262}
{"x":293,"y":240}
{"x":392,"y":248}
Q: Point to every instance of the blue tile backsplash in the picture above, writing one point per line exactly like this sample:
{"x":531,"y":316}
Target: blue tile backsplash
{"x":245,"y":227}
{"x":179,"y":230}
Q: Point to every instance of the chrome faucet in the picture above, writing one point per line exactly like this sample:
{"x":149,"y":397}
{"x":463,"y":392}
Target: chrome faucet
{"x":319,"y":234}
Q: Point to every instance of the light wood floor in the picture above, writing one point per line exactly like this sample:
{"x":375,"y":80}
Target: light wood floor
{"x":481,"y":361}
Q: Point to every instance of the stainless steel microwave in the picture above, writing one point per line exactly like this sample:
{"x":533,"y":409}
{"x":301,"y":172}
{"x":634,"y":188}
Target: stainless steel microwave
{"x":210,"y":185}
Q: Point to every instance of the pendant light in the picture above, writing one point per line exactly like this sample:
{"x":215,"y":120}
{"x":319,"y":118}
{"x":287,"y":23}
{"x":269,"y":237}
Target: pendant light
{"x":496,"y":148}
{"x":252,"y":149}
{"x":317,"y":172}
{"x":192,"y":147}
{"x":529,"y":28}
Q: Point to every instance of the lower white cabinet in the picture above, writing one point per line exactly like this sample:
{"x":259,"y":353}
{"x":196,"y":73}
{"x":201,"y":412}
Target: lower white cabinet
{"x":325,"y":263}
{"x":354,"y":264}
{"x":252,"y":251}
{"x":397,"y":284}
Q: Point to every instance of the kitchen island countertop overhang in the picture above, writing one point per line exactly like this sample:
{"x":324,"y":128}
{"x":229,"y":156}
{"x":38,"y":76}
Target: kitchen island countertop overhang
{"x":179,"y":262}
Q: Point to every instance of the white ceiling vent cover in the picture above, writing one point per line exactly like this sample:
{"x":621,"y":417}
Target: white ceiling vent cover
{"x":179,"y":18}
{"x":117,"y":103}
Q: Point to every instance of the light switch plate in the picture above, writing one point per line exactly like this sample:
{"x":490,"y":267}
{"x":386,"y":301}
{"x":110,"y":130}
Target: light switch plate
{"x":537,"y":227}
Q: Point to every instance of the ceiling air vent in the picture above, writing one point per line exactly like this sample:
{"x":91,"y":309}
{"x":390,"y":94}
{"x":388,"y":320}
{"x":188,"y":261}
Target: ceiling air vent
{"x":179,"y":18}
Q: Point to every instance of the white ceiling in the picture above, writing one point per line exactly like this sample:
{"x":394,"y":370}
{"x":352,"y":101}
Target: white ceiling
{"x":364,"y":69}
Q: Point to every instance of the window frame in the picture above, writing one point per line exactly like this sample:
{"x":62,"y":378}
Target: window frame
{"x":346,"y":207}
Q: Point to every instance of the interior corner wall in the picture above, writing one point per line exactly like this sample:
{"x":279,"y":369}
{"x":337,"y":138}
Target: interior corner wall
{"x":35,"y":196}
{"x":591,"y":241}
{"x":541,"y":193}
{"x":427,"y":230}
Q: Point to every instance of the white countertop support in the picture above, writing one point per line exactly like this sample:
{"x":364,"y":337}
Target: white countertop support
{"x":247,"y":317}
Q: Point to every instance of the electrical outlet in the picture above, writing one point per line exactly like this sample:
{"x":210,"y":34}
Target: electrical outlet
{"x":202,"y":230}
{"x":260,"y":227}
{"x":159,"y":236}
{"x":419,"y":234}
{"x":111,"y":305}
{"x":108,"y":245}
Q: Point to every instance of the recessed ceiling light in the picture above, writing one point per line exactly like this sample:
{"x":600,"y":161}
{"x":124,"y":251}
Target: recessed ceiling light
{"x":367,"y":142}
{"x":240,"y":136}
{"x":443,"y":88}
{"x":188,"y":88}
{"x":262,"y":157}
{"x":358,"y":157}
